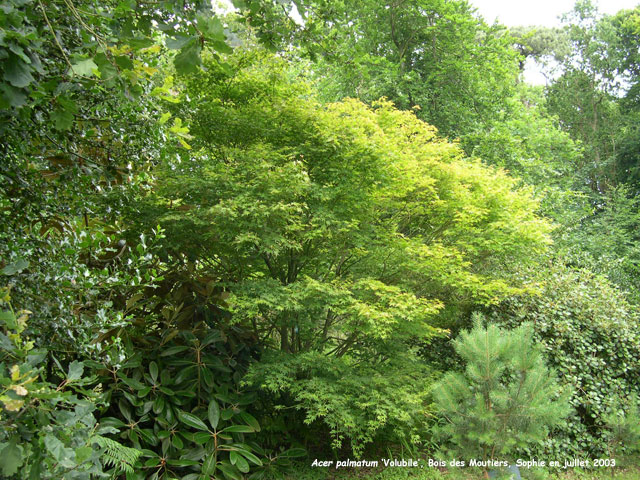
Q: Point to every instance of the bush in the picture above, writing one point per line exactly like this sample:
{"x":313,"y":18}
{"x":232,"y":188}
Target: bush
{"x":178,"y":404}
{"x":351,"y":403}
{"x":339,"y":232}
{"x":590,"y":335}
{"x":48,"y":430}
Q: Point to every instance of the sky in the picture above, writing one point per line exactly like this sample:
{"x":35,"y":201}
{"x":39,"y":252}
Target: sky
{"x":538,"y":12}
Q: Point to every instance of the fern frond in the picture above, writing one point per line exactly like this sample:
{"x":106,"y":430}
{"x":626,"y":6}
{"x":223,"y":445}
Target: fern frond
{"x":117,"y":455}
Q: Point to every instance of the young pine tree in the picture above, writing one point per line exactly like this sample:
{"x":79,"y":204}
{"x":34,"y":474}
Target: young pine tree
{"x":505,"y":398}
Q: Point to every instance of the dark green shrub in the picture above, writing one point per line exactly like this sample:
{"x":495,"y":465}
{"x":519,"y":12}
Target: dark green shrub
{"x":179,"y":404}
{"x":177,"y":395}
{"x":48,"y":430}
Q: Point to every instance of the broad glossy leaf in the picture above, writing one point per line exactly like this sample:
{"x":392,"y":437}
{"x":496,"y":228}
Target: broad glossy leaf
{"x":214,"y":413}
{"x":153,"y":370}
{"x":239,"y":429}
{"x":191,"y":420}
{"x":209,"y":465}
{"x":250,"y":420}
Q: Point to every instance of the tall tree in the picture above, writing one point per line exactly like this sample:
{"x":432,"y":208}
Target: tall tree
{"x":433,"y":55}
{"x":339,"y":230}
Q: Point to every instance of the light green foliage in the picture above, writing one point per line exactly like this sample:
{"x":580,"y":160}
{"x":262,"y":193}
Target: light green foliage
{"x":357,"y":401}
{"x":527,"y":142}
{"x":591,"y":115}
{"x":623,"y":423}
{"x":312,"y":250}
{"x":594,"y":101}
{"x":590,"y":335}
{"x":341,"y":230}
{"x":600,"y":68}
{"x":603,"y":238}
{"x":505,"y":399}
{"x":540,"y":43}
{"x":117,"y":455}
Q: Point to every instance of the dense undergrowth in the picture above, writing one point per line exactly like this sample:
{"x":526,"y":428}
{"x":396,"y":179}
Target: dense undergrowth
{"x":232,"y":244}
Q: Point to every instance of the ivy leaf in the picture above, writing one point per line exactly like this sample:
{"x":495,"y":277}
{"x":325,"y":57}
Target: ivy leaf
{"x":84,"y":68}
{"x":17,"y":72}
{"x":10,"y":458}
{"x":188,"y":59}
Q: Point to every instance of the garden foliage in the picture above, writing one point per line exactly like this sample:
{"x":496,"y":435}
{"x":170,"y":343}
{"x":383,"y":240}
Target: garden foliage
{"x":215,"y":257}
{"x":340,"y":232}
{"x":590,"y":335}
{"x":505,"y":399}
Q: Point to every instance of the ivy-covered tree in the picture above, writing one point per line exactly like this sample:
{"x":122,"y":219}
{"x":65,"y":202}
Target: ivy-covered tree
{"x":589,"y":333}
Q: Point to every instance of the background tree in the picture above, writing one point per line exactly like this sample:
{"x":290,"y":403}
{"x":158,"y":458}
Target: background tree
{"x":435,"y":55}
{"x":542,"y":44}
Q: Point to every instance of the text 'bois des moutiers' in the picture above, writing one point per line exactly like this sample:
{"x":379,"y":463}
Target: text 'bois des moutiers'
{"x":477,"y":463}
